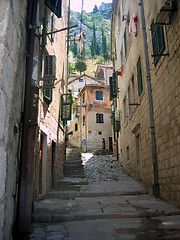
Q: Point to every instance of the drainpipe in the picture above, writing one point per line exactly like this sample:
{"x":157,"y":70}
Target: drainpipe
{"x":26,"y":168}
{"x":151,"y":114}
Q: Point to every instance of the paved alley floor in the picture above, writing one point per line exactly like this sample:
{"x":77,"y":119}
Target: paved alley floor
{"x":105,"y":204}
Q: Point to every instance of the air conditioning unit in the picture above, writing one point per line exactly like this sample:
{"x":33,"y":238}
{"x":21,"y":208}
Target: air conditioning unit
{"x":164,"y":8}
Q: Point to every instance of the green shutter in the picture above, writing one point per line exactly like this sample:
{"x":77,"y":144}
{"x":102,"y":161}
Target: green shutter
{"x":47,"y":94}
{"x":139,"y":77}
{"x":66,"y":105}
{"x":115,"y":85}
{"x":116,"y":124}
{"x":158,"y":42}
{"x":110,"y":88}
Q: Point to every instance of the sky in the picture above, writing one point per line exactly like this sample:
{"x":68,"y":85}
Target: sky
{"x":88,"y":5}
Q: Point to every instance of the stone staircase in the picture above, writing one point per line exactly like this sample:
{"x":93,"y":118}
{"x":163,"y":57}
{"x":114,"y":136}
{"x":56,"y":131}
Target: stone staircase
{"x":74,"y":172}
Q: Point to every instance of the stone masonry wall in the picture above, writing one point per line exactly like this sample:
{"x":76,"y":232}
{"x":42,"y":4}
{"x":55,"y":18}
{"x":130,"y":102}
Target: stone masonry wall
{"x":165,"y":84}
{"x":165,"y":78}
{"x":12,"y":60}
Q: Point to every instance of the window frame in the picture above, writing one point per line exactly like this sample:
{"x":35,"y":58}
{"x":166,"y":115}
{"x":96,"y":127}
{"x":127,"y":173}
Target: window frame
{"x":139,"y":76}
{"x":101,"y":97}
{"x":158,"y":42}
{"x":84,"y":120}
{"x":99,"y":118}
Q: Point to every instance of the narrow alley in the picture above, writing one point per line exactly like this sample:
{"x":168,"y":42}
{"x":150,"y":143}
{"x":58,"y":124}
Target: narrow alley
{"x":90,"y":120}
{"x":98,"y":200}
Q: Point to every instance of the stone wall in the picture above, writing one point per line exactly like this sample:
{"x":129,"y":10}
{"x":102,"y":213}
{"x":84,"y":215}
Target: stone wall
{"x":12,"y":61}
{"x":135,"y":148}
{"x":166,"y":99}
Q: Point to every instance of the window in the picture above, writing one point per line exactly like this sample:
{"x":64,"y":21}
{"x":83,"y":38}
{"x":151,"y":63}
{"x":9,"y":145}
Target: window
{"x":158,"y":42}
{"x":133,"y":89}
{"x":83,"y":97}
{"x":99,"y":118}
{"x":127,"y":152}
{"x":84,"y":122}
{"x":125,"y":43}
{"x":99,"y":95}
{"x":81,"y":80}
{"x":139,"y":77}
{"x":76,"y":127}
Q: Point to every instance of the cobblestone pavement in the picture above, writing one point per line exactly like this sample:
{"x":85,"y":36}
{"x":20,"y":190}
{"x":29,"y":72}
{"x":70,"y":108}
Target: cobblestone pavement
{"x":105,"y":205}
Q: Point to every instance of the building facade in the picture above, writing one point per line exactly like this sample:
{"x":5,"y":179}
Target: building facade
{"x":145,"y":50}
{"x":12,"y":70}
{"x":92,"y":119}
{"x":32,"y":135}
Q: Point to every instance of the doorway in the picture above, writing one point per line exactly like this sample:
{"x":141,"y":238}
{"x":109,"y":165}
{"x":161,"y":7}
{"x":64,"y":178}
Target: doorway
{"x":42,"y":164}
{"x":110,"y":144}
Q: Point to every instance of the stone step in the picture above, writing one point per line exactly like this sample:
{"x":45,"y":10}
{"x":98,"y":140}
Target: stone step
{"x":75,"y":176}
{"x":73,"y":194}
{"x":68,"y":187}
{"x":69,"y":181}
{"x":85,"y":208}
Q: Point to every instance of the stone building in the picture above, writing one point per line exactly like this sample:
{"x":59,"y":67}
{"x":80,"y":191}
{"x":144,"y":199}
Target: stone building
{"x":32,"y":134}
{"x":77,"y":83}
{"x":12,"y":69}
{"x":92,"y":119}
{"x":145,"y":92}
{"x":104,"y":72}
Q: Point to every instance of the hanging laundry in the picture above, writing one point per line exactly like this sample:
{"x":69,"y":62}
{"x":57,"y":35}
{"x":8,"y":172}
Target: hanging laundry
{"x":133,"y":25}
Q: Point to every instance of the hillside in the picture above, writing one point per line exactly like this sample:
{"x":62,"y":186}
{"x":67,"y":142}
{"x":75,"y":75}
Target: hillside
{"x":101,"y":17}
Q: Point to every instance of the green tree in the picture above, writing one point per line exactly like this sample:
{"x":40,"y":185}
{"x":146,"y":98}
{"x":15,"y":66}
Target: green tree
{"x":80,"y":57}
{"x":88,"y":52}
{"x":71,"y":67}
{"x":92,"y":49}
{"x":80,"y":66}
{"x":95,"y":9}
{"x":106,"y":56}
{"x":97,"y":49}
{"x":94,"y":37}
{"x":100,"y":60}
{"x":104,"y":46}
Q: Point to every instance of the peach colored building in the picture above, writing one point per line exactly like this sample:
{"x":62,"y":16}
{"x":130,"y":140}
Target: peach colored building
{"x":93,"y":118}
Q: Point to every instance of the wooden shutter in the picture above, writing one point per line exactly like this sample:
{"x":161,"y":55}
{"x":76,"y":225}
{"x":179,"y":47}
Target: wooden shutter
{"x":115,"y":85}
{"x":110,"y":88}
{"x":158,"y":42}
{"x":139,"y":77}
{"x":49,"y":66}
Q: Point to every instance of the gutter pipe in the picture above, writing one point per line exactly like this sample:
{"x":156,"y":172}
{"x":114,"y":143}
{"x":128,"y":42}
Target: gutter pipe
{"x":150,"y":102}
